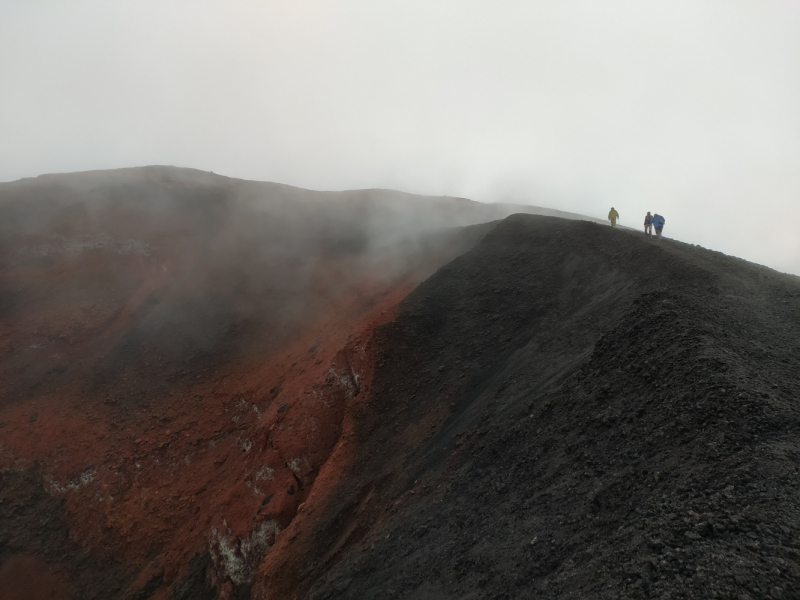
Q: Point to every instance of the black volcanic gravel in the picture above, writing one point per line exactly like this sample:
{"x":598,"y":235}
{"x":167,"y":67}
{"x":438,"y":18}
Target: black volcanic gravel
{"x":569,"y":410}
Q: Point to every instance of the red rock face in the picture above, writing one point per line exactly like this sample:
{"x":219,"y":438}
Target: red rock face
{"x":18,"y":574}
{"x":180,"y":368}
{"x":218,"y":389}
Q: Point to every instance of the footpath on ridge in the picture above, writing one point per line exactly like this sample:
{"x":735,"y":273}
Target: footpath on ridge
{"x":570,"y":410}
{"x":214,"y":389}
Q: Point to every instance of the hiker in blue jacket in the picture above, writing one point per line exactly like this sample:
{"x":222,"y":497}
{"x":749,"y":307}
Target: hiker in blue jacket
{"x":658,"y":224}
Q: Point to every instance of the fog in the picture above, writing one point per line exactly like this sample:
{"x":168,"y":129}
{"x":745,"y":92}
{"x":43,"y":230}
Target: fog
{"x":143,"y":272}
{"x":688,"y":109}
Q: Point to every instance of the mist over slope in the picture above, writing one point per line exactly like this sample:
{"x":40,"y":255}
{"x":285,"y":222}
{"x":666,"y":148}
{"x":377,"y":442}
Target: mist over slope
{"x":213,"y":388}
{"x":177,"y":354}
{"x":218,"y":264}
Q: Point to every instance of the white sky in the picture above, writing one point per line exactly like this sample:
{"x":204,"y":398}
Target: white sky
{"x":686,"y":108}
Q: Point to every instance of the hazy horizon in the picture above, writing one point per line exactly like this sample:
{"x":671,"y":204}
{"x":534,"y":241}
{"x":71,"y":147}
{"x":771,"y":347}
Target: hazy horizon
{"x":688,"y":109}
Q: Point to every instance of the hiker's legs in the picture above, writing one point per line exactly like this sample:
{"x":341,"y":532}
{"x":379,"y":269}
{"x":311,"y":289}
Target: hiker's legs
{"x":613,"y":222}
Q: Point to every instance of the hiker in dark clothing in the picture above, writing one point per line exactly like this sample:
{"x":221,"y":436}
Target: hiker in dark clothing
{"x":648,"y":226}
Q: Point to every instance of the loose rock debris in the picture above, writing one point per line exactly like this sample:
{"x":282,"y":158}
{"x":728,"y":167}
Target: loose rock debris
{"x":563,"y":410}
{"x":607,"y":426}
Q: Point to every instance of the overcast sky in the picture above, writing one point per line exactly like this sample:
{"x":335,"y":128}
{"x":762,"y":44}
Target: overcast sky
{"x":687,"y":108}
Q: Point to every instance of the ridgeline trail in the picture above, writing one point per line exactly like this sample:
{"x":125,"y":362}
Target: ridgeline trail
{"x":571,"y":410}
{"x":224,"y":389}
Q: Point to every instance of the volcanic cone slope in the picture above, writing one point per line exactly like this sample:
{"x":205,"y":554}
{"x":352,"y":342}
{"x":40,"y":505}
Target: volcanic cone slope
{"x":571,"y":410}
{"x":178,"y":356}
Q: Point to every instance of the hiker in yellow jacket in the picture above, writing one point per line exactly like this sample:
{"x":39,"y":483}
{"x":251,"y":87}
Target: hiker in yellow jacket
{"x":613,"y":216}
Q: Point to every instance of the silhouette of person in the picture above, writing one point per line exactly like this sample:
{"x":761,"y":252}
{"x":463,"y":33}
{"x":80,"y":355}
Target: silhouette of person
{"x":648,"y":224}
{"x":658,"y":224}
{"x":613,"y":216}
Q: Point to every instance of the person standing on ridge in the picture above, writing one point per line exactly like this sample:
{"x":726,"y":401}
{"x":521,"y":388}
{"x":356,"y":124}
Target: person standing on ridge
{"x":648,"y":225}
{"x":613,"y":216}
{"x":658,"y":223}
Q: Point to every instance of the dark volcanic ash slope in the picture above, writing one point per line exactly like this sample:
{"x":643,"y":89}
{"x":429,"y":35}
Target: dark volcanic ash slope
{"x":570,"y":410}
{"x":178,"y":351}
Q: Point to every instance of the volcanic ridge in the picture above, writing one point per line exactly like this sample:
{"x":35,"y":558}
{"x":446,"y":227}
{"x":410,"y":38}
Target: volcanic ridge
{"x":212,"y":388}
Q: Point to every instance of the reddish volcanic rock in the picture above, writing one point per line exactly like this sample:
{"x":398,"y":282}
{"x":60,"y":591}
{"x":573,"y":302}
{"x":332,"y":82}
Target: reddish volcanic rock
{"x":181,"y":354}
{"x":212,"y":388}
